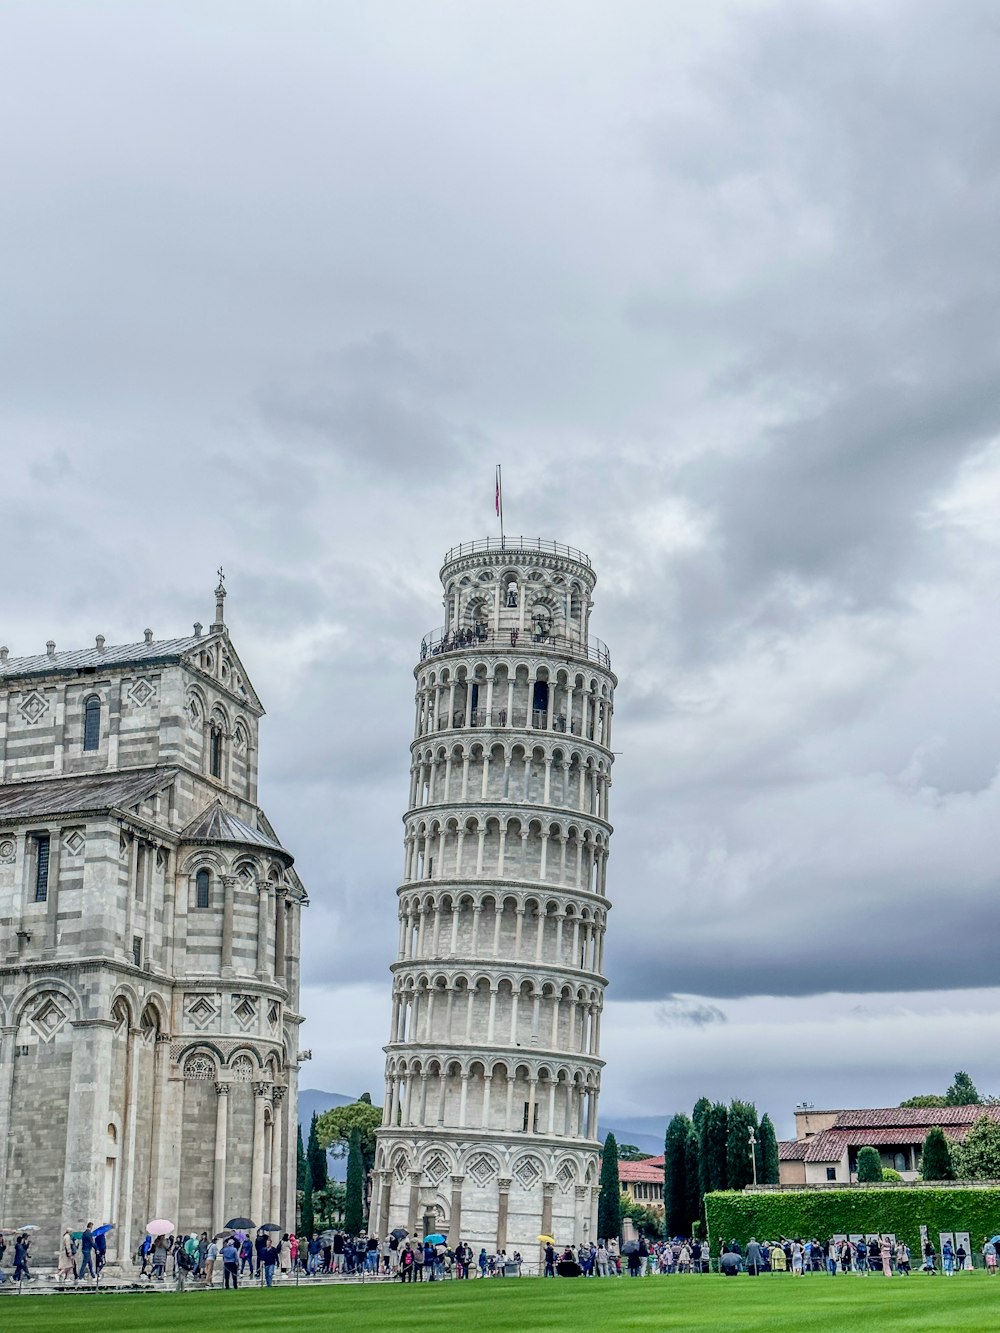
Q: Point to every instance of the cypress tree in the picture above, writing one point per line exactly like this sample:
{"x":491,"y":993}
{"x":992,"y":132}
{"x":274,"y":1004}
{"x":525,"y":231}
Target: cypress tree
{"x":301,"y":1165}
{"x":869,"y":1166}
{"x":691,"y":1181}
{"x":354,"y":1207}
{"x":307,"y":1223}
{"x":609,"y":1203}
{"x":675,"y":1192}
{"x":768,"y":1172}
{"x":739,"y":1159}
{"x":935,"y":1159}
{"x":715,"y":1133}
{"x":316,"y":1157}
{"x":701,"y":1109}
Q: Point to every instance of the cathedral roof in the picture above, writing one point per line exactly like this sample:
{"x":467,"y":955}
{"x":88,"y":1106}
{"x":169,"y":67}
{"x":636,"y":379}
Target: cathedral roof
{"x":216,"y":824}
{"x":105,"y":791}
{"x":77,"y":659}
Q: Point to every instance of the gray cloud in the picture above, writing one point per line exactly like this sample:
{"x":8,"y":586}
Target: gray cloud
{"x":718,"y":290}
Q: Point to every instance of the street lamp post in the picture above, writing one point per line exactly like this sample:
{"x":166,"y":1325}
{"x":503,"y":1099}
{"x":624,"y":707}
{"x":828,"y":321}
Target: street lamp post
{"x":753,"y":1153}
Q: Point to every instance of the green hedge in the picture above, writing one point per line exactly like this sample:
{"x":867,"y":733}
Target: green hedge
{"x":825,"y":1213}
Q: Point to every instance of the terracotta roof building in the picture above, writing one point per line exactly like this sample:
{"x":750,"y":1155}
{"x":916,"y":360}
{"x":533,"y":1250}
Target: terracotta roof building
{"x":827,"y":1143}
{"x":643,"y":1181}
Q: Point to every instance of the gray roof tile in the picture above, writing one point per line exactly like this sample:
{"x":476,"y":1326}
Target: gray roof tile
{"x":76,"y":659}
{"x":216,"y":824}
{"x":87,"y":792}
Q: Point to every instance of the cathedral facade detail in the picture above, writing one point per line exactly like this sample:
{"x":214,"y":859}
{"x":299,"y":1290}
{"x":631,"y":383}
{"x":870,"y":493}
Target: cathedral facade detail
{"x":149,"y":945}
{"x":493,"y":1064}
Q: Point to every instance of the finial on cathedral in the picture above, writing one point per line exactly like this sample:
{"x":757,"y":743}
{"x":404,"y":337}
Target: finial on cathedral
{"x":220,"y":598}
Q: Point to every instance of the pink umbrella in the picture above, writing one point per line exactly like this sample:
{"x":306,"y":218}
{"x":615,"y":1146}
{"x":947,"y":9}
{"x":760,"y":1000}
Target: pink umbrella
{"x":160,"y":1227}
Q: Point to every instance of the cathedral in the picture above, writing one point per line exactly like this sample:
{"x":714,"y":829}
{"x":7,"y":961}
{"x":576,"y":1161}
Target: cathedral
{"x":149,"y":945}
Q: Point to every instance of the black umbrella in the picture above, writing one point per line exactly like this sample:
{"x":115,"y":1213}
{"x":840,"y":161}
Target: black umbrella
{"x":269,"y":1226}
{"x":400,"y":1233}
{"x":240,"y":1224}
{"x":630,"y":1247}
{"x":566,"y":1268}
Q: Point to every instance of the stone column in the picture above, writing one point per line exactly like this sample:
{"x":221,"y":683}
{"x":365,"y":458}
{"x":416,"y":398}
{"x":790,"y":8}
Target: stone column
{"x":279,"y":934}
{"x":581,"y":1214}
{"x":260,"y":1091}
{"x":384,"y":1194}
{"x":503,"y":1184}
{"x":221,"y":1149}
{"x":277,"y":1122}
{"x":264,"y":971}
{"x":87,"y":1122}
{"x":163,"y":1171}
{"x":411,"y":1218}
{"x":455,"y":1224}
{"x":548,"y":1193}
{"x":126,"y":1186}
{"x":229,"y":886}
{"x":7,"y":1035}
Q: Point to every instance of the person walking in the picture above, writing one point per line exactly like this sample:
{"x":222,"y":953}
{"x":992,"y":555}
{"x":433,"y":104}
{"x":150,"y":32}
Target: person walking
{"x":268,"y":1259}
{"x":948,"y":1259}
{"x":903,"y":1259}
{"x":211,"y":1257}
{"x":407,"y":1263}
{"x":285,"y":1255}
{"x":87,"y":1251}
{"x":246,"y":1255}
{"x":66,"y":1266}
{"x":887,"y":1256}
{"x":184,"y":1263}
{"x":755,"y":1258}
{"x":990,"y":1257}
{"x":21,"y":1247}
{"x":230,"y":1264}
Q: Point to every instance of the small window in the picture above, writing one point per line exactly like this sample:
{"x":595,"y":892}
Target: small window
{"x":42,"y":845}
{"x":201,"y":888}
{"x":831,"y":1173}
{"x":92,"y":723}
{"x":215,"y":752}
{"x":137,"y":950}
{"x":524,"y":1123}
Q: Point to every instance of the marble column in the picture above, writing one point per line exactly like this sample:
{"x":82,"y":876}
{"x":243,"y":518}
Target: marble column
{"x":503,"y":1184}
{"x":260,"y":1091}
{"x":411,"y":1217}
{"x":455,"y":1222}
{"x":277,"y":1122}
{"x":221,"y":1150}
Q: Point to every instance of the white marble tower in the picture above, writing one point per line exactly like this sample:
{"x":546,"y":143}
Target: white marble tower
{"x":493,"y":1062}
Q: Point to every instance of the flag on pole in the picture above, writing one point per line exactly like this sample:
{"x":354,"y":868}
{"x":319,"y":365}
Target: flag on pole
{"x":498,"y":490}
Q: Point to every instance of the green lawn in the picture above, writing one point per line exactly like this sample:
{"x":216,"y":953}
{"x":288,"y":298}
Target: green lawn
{"x":726,"y":1305}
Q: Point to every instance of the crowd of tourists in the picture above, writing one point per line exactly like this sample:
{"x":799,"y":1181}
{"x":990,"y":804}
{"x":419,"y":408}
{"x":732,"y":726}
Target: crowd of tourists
{"x":840,"y":1255}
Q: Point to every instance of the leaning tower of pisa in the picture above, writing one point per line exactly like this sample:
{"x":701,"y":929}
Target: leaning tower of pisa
{"x":493,"y":1061}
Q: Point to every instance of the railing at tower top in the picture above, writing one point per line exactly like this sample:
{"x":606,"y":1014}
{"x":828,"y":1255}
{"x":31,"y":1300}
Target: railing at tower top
{"x":517,"y":544}
{"x":440,"y":641}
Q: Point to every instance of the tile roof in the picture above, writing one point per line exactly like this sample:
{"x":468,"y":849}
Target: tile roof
{"x":831,"y":1144}
{"x":76,"y":659}
{"x":216,"y":824}
{"x":103,"y":791}
{"x":880,"y":1117}
{"x":648,"y":1171}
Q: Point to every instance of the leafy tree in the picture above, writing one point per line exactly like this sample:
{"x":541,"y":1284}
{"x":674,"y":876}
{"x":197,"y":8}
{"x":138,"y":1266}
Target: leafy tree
{"x":628,"y":1152}
{"x":609,"y":1206}
{"x":354,"y":1209}
{"x":977,"y":1157}
{"x":319,"y":1172}
{"x":936,"y":1157}
{"x":768,"y":1173}
{"x":329,"y":1205}
{"x":962,"y":1092}
{"x":714,"y":1172}
{"x":888,"y":1174}
{"x":334,"y":1130}
{"x":869,"y":1167}
{"x":739,"y":1154}
{"x":926,"y":1099}
{"x":301,"y":1165}
{"x":692,"y":1185}
{"x":675,"y":1196}
{"x":647,"y":1221}
{"x":307,"y":1223}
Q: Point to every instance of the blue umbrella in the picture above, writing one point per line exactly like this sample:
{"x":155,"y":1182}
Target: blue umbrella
{"x":436,"y":1239}
{"x":995,"y":1240}
{"x":103,"y":1230}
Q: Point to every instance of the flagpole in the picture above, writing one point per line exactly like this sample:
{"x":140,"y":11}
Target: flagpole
{"x":500,"y":504}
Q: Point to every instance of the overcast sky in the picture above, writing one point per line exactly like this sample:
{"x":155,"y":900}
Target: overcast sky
{"x":717,"y":283}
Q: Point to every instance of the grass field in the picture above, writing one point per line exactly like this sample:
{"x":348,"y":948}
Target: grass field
{"x":738,"y":1305}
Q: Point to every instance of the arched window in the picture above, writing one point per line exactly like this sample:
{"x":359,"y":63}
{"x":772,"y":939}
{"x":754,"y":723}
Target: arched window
{"x":215,"y":751}
{"x":92,"y":723}
{"x":201,"y":883}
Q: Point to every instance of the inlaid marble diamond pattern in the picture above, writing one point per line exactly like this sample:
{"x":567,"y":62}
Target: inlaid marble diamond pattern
{"x":141,"y":692}
{"x":48,"y":1019}
{"x":528,"y":1173}
{"x":32,"y":707}
{"x":482,"y":1169}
